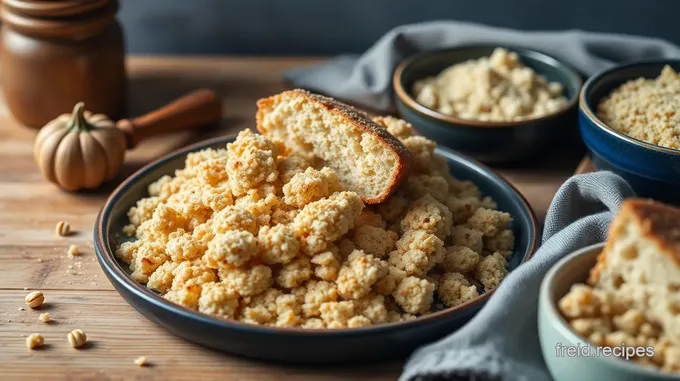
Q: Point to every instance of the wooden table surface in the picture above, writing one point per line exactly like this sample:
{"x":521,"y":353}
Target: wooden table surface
{"x":77,"y":293}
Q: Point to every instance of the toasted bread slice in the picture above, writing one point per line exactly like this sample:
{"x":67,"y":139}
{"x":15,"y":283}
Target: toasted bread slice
{"x":643,"y":246}
{"x":641,"y":263}
{"x":367,"y":159}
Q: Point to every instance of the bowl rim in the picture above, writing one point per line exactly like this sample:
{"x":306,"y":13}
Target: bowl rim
{"x":559,"y":323}
{"x":522,"y":51}
{"x":587,"y":110}
{"x":114,"y":270}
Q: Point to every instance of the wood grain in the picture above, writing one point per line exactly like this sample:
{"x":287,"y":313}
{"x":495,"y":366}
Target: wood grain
{"x":585,"y":166}
{"x":116,"y":336}
{"x":79,"y":296}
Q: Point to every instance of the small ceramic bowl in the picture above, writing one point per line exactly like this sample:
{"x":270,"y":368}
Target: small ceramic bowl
{"x":563,"y":350}
{"x":490,"y":142}
{"x":296,"y":345}
{"x":653,"y":171}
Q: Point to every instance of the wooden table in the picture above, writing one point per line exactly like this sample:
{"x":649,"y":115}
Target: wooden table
{"x":77,"y":293}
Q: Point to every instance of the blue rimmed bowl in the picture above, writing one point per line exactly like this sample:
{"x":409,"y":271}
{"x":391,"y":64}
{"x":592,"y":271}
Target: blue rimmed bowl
{"x":489,"y":142}
{"x":652,"y":171}
{"x":296,"y":345}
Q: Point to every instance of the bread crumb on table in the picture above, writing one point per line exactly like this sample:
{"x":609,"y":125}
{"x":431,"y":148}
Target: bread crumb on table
{"x":141,"y":361}
{"x":35,"y":340}
{"x":266,"y":234}
{"x":73,"y":251}
{"x":45,"y":317}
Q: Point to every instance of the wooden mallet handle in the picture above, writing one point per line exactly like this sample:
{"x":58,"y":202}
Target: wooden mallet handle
{"x":196,"y":109}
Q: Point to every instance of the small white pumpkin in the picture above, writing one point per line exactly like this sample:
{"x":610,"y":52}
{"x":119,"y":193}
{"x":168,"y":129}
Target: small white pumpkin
{"x":79,"y":150}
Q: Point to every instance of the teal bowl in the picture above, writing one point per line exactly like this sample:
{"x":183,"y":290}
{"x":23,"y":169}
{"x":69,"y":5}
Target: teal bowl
{"x":297,"y":345}
{"x":489,"y":142}
{"x":557,"y":337}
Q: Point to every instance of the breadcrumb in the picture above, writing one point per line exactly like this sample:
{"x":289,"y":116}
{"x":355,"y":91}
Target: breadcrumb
{"x":233,"y":248}
{"x":309,"y":186}
{"x":429,"y":215}
{"x":251,"y":162}
{"x":141,"y":361}
{"x":358,"y":274}
{"x":264,"y":233}
{"x":490,"y":222}
{"x":417,"y":252}
{"x":491,"y":270}
{"x":455,"y":289}
{"x":460,"y":259}
{"x":324,"y":221}
{"x":414,"y":295}
{"x":375,"y":240}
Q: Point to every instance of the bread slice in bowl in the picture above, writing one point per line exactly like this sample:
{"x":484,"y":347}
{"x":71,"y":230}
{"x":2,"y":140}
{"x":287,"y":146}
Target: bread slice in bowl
{"x":367,"y":158}
{"x":641,"y":262}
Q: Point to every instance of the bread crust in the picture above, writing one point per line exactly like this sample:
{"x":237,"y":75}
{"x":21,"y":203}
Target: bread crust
{"x":357,"y":119}
{"x":658,"y":222}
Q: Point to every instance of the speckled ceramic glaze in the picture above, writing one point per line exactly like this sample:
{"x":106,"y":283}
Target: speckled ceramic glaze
{"x":651,"y":170}
{"x":554,"y":332}
{"x":490,"y":142}
{"x":293,"y":344}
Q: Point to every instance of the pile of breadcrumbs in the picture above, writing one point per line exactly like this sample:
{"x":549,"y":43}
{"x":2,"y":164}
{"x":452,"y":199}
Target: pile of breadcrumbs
{"x":498,"y":88}
{"x":645,"y":109}
{"x":266,"y":236}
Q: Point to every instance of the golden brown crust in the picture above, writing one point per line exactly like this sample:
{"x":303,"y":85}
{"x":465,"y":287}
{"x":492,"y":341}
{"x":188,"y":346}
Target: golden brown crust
{"x":356,"y":118}
{"x":658,"y":222}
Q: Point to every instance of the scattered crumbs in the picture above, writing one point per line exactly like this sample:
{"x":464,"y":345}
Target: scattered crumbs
{"x":45,"y":317}
{"x":40,"y":260}
{"x":35,"y":340}
{"x":21,"y":308}
{"x":25,"y":288}
{"x":9,"y":320}
{"x":73,"y":251}
{"x":70,"y":282}
{"x":141,"y":361}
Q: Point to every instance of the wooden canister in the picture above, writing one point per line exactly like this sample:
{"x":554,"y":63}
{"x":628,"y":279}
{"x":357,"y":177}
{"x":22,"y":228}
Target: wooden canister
{"x":58,"y":53}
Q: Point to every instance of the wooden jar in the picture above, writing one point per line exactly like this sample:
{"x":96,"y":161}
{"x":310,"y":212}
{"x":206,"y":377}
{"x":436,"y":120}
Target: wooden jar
{"x":58,"y":53}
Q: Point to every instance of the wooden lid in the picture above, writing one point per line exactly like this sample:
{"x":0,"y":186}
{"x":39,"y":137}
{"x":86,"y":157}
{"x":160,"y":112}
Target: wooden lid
{"x":58,"y":18}
{"x":54,"y":8}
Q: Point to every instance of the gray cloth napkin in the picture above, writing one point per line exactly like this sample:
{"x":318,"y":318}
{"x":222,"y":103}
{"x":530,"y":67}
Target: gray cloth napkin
{"x":367,"y":80}
{"x":501,"y":341}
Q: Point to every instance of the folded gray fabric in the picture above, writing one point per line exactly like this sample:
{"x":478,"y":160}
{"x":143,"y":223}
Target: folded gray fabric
{"x":501,"y":341}
{"x":367,"y":80}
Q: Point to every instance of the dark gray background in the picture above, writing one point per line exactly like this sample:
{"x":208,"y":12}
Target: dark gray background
{"x":337,"y":26}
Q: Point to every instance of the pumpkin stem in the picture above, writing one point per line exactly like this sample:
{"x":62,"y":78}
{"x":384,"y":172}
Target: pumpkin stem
{"x":78,"y":121}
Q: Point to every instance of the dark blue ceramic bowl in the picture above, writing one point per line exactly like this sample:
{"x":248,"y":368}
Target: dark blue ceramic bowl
{"x":490,"y":142}
{"x":653,"y":171}
{"x":296,"y":345}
